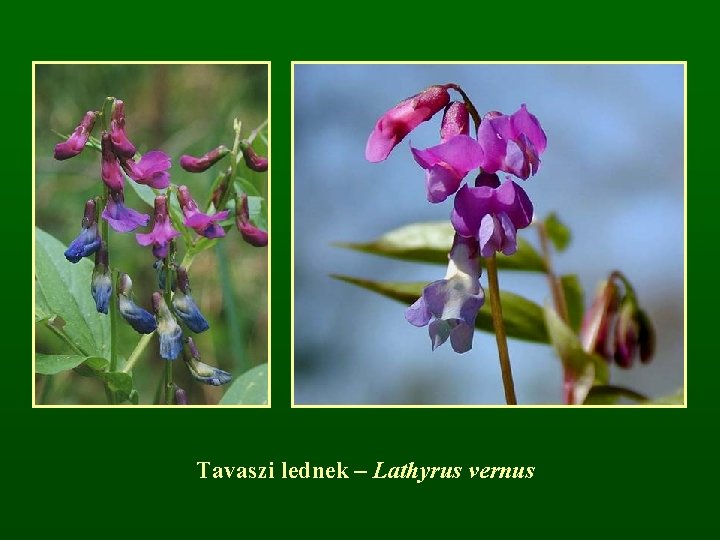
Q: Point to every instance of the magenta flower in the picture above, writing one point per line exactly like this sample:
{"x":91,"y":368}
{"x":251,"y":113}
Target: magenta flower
{"x":253,"y":161}
{"x":447,"y":164}
{"x":151,"y":170}
{"x":76,"y":142}
{"x":162,"y":232}
{"x":250,"y":233}
{"x":492,"y":213}
{"x":110,"y":168}
{"x":203,"y":163}
{"x":595,"y":329}
{"x":456,"y":121}
{"x":454,"y":301}
{"x":512,"y":144}
{"x":121,"y":144}
{"x":394,"y":125}
{"x":121,"y":218}
{"x":203,"y":224}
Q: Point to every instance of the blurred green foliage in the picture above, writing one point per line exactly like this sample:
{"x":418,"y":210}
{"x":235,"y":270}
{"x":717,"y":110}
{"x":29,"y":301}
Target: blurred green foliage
{"x":179,"y":109}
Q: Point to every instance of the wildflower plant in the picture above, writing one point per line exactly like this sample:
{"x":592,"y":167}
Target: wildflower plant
{"x":478,"y":170}
{"x":176,"y":231}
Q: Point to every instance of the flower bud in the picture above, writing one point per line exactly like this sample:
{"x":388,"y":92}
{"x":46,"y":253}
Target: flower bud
{"x":141,"y":320}
{"x":185,"y":306}
{"x":626,"y":335}
{"x":204,"y":224}
{"x":596,"y":321}
{"x":88,"y":241}
{"x":159,"y":267}
{"x":203,"y":163}
{"x":200,"y":371}
{"x":251,"y":234}
{"x":110,"y":169}
{"x":456,"y":121}
{"x":121,"y":144}
{"x":76,"y":142}
{"x":180,"y":396}
{"x":646,"y":337}
{"x":168,"y":329}
{"x":101,"y":284}
{"x":253,"y":161}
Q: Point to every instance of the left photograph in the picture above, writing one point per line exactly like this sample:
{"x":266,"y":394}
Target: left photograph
{"x":150,"y":232}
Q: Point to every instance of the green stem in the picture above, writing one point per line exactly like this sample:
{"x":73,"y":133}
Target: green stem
{"x":469,"y":104}
{"x":168,"y":300}
{"x":499,"y":326}
{"x":135,"y":355}
{"x":168,"y":383}
{"x":556,"y":289}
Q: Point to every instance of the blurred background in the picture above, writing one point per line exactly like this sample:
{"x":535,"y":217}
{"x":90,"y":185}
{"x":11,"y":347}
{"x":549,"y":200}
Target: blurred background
{"x":178,"y":109}
{"x":613,"y":171}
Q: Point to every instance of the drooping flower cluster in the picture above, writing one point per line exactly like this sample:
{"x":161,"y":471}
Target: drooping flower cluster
{"x":486,"y":215}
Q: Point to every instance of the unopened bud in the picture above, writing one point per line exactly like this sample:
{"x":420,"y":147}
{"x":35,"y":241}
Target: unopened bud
{"x":203,"y":163}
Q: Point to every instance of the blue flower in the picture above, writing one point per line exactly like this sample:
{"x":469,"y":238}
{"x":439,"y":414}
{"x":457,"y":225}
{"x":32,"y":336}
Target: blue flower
{"x":200,"y":371}
{"x":168,"y":329}
{"x":141,"y":320}
{"x":88,"y":241}
{"x":101,"y":284}
{"x":185,"y":306}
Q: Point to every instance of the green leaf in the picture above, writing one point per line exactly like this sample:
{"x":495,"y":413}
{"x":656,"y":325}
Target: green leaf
{"x":243,"y":185}
{"x":574,"y":299}
{"x":250,"y":388}
{"x":605,"y":394}
{"x":146,"y":193}
{"x":678,"y":398}
{"x":558,"y":232}
{"x":523,"y":318}
{"x":118,"y":383}
{"x":431,"y":241}
{"x":50,"y":364}
{"x":42,"y":310}
{"x":589,"y":369}
{"x":64,"y":289}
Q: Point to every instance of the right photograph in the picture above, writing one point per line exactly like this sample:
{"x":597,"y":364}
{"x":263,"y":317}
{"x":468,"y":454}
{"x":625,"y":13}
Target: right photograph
{"x":489,"y":234}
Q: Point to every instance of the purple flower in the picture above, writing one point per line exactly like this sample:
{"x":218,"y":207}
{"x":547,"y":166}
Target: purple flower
{"x":101,"y":284}
{"x":110,"y":170}
{"x":88,"y":241}
{"x":253,"y":161}
{"x":456,"y":121}
{"x":492,"y":213}
{"x":162,"y":232}
{"x":626,"y":335}
{"x":447,"y":164}
{"x":121,"y":144}
{"x":203,"y":163}
{"x":394,"y":125}
{"x":453,"y":302}
{"x":250,"y":233}
{"x":185,"y":306}
{"x":121,"y":218}
{"x":151,"y":170}
{"x":200,"y":371}
{"x":141,"y":320}
{"x":203,"y":224}
{"x":512,"y":144}
{"x":168,"y":329}
{"x":595,"y":328}
{"x":76,"y":142}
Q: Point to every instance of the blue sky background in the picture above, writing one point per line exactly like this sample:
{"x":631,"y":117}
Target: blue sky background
{"x":613,"y":171}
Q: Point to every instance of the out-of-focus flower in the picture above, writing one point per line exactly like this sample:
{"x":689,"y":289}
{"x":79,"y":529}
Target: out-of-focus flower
{"x":120,"y":217}
{"x":121,"y":144}
{"x":101,"y":284}
{"x":151,"y":170}
{"x":185,"y":306}
{"x":646,"y":337}
{"x":163,"y":231}
{"x":88,"y":241}
{"x":167,"y":328}
{"x":203,"y":224}
{"x":180,"y":396}
{"x":395,"y":124}
{"x":253,"y":161}
{"x":110,"y":170}
{"x":204,"y":162}
{"x":200,"y":371}
{"x":251,"y":234}
{"x":76,"y":142}
{"x":492,"y":213}
{"x":453,"y":302}
{"x":141,"y":320}
{"x":595,"y":328}
{"x":626,"y":335}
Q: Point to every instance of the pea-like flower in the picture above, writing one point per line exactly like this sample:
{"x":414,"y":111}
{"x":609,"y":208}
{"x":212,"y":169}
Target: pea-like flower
{"x":167,"y":328}
{"x":452,"y":302}
{"x":395,"y":124}
{"x":455,"y":121}
{"x":163,"y":231}
{"x":204,"y":162}
{"x":253,"y":161}
{"x":185,"y":306}
{"x":250,"y":233}
{"x":151,"y":170}
{"x":141,"y":320}
{"x":77,"y":140}
{"x":101,"y":284}
{"x":88,"y":241}
{"x":121,"y":144}
{"x":110,"y":170}
{"x":120,"y":217}
{"x":492,"y":213}
{"x":200,"y":371}
{"x":204,"y":224}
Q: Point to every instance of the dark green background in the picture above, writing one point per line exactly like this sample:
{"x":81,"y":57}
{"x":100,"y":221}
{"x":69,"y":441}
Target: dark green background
{"x":128,"y":470}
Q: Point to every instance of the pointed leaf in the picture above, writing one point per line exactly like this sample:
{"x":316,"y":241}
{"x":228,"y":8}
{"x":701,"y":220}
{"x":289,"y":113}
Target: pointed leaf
{"x":250,"y":388}
{"x":605,"y":394}
{"x":558,"y":232}
{"x":574,"y":299}
{"x":431,"y":241}
{"x":678,"y":398}
{"x":50,"y":364}
{"x":523,"y":318}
